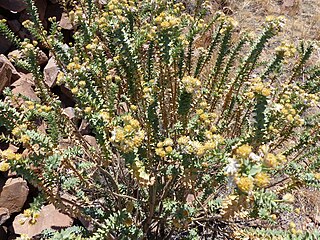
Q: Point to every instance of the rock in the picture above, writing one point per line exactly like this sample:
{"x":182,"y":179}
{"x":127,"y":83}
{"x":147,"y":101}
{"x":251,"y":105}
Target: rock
{"x":17,"y":54}
{"x":14,"y":25}
{"x":8,"y":74}
{"x":54,"y":10}
{"x":14,"y":194}
{"x":69,"y":111}
{"x":13,"y":5}
{"x":3,"y":233}
{"x":24,"y":86}
{"x":92,"y":141}
{"x":49,"y":217}
{"x":65,"y":22}
{"x":84,"y":127}
{"x":51,"y":72}
{"x":42,"y":58}
{"x":42,"y":6}
{"x":5,"y":44}
{"x":4,"y":215}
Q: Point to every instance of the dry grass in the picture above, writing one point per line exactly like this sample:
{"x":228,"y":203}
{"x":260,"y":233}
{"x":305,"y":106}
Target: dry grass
{"x":303,"y":16}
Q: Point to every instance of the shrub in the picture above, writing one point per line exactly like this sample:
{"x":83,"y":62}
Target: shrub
{"x":200,"y":129}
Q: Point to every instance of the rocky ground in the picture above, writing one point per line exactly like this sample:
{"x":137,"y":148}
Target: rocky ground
{"x":15,"y":193}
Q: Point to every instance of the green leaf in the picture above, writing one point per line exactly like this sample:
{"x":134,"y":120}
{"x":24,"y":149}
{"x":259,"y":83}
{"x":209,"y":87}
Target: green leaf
{"x":255,"y":169}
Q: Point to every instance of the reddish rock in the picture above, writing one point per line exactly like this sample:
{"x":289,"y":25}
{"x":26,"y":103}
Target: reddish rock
{"x":92,"y":141}
{"x":13,"y":5}
{"x":84,"y":127}
{"x":49,"y":217}
{"x":54,"y":10}
{"x":24,"y":86}
{"x":42,"y":58}
{"x":42,"y":6}
{"x":51,"y":72}
{"x":5,"y":44}
{"x":14,"y":194}
{"x":65,"y":22}
{"x":4,"y":215}
{"x":69,"y":111}
{"x":8,"y":73}
{"x":14,"y":25}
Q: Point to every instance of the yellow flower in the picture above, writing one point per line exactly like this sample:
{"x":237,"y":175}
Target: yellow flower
{"x":292,"y":225}
{"x":165,"y":24}
{"x":210,"y":145}
{"x":87,"y":110}
{"x":16,"y":131}
{"x":289,"y":198}
{"x":317,"y":176}
{"x":168,"y":149}
{"x":27,"y":213}
{"x":9,"y":154}
{"x":183,"y":140}
{"x":82,"y":83}
{"x":25,"y":139}
{"x":74,"y":90}
{"x":168,"y":142}
{"x":245,"y":184}
{"x":128,"y":128}
{"x":244,"y":151}
{"x":105,"y":116}
{"x":262,"y":180}
{"x":281,"y":158}
{"x":4,"y":166}
{"x":271,"y":160}
{"x":266,"y":92}
{"x":160,"y":152}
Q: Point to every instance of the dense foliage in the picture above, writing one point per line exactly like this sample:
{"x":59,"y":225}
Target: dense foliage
{"x":200,"y":128}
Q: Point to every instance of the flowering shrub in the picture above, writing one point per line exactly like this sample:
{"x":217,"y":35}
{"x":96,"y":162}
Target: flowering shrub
{"x":194,"y":130}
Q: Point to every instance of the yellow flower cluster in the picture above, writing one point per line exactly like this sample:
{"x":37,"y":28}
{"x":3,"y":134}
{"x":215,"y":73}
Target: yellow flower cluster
{"x":257,"y":86}
{"x":272,"y":161}
{"x":243,"y":151}
{"x":228,"y":22}
{"x":262,"y":179}
{"x":4,"y":166}
{"x":10,"y":155}
{"x":139,"y":171}
{"x":29,"y":215}
{"x":288,"y":49}
{"x":40,"y":108}
{"x":164,"y":148}
{"x":245,"y":184}
{"x":195,"y":147}
{"x":290,"y":114}
{"x":191,"y":84}
{"x":276,"y":23}
{"x":166,"y":21}
{"x":206,"y":117}
{"x":128,"y":137}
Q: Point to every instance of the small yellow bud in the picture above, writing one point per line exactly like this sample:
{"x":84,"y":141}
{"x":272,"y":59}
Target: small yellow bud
{"x":74,"y":90}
